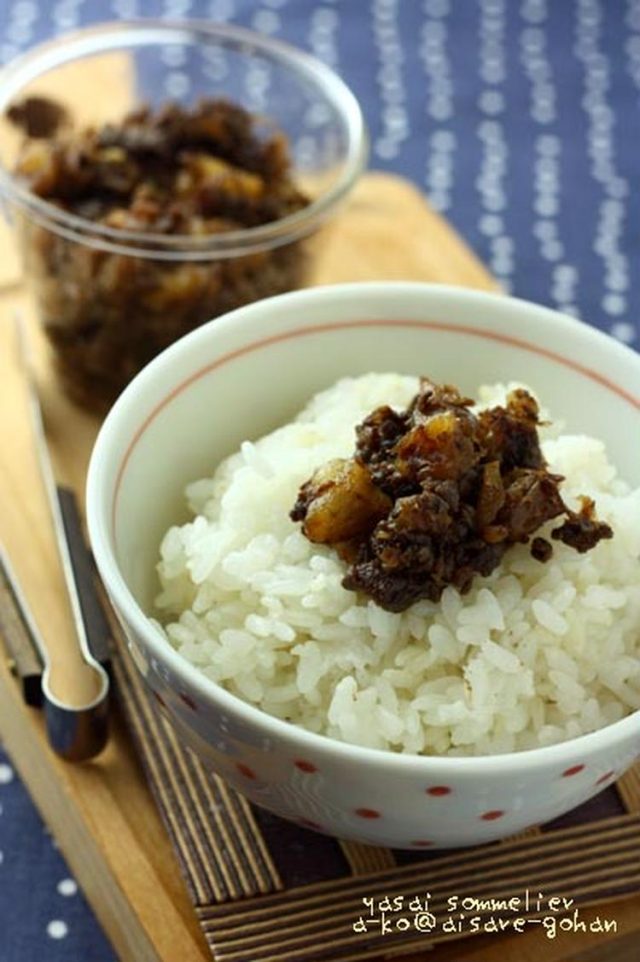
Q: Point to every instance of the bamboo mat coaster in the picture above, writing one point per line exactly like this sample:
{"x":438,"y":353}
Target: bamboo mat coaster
{"x":266,"y":890}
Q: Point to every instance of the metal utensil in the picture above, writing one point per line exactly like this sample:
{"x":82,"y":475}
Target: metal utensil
{"x":75,"y":686}
{"x":25,"y":648}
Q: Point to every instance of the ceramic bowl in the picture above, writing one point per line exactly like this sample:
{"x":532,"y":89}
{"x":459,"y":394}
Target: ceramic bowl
{"x":249,"y":372}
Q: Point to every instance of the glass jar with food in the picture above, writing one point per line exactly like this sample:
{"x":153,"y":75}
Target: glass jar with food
{"x":159,"y":175}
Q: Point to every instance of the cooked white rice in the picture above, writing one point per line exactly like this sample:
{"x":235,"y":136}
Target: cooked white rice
{"x":534,"y":654}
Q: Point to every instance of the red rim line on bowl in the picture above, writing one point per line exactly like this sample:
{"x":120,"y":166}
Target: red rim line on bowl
{"x":324,"y":328}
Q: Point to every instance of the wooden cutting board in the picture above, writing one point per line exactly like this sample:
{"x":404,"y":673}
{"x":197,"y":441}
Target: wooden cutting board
{"x":101,"y":812}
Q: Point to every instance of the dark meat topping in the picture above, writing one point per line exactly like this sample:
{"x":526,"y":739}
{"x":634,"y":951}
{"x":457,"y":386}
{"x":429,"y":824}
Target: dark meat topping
{"x":204,"y":170}
{"x":435,"y":495}
{"x":38,"y":116}
{"x":541,"y":549}
{"x":200,"y":171}
{"x":582,"y":530}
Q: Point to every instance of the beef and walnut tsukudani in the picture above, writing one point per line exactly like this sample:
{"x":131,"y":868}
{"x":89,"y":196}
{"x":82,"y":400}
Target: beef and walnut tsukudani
{"x":189,"y":174}
{"x":435,"y":494}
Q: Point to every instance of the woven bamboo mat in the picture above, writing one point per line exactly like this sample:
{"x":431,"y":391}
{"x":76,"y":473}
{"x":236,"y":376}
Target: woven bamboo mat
{"x":265,"y":890}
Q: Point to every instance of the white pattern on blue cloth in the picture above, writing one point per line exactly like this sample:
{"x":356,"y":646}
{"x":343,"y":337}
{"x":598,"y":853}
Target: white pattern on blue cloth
{"x":520,"y":120}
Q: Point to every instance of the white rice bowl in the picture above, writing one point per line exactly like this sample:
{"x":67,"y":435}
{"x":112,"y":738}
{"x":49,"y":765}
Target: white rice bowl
{"x":534,"y":654}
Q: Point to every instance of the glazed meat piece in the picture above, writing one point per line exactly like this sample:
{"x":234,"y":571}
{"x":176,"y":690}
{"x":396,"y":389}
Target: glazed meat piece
{"x":582,"y":530}
{"x":510,"y":434}
{"x":38,"y":116}
{"x":435,"y":495}
{"x":444,"y":440}
{"x":395,"y":445}
{"x":541,"y":549}
{"x":491,"y":498}
{"x":531,"y":498}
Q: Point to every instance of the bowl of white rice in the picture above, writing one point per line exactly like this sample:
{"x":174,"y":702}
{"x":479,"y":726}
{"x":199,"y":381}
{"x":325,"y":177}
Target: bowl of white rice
{"x":453,"y":722}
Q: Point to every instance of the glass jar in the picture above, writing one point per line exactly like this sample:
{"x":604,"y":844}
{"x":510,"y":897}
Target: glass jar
{"x":110,"y":298}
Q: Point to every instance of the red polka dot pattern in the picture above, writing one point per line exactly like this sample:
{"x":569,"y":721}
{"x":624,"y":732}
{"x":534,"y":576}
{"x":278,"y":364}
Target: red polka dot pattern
{"x":492,"y":815}
{"x":605,"y":778}
{"x":367,"y":813}
{"x":574,"y":770}
{"x":305,"y":766}
{"x":437,"y":790}
{"x":245,"y":770}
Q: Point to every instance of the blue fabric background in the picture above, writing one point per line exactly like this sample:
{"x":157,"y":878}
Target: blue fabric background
{"x":521,"y":121}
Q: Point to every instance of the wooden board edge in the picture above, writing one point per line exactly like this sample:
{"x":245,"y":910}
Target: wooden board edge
{"x":22,"y":734}
{"x":463,"y":263}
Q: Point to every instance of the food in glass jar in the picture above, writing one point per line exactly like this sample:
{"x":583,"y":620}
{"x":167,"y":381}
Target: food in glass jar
{"x":150,"y":192}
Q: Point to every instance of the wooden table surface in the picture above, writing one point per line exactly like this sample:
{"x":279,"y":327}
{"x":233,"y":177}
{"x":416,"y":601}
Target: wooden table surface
{"x":101,"y":812}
